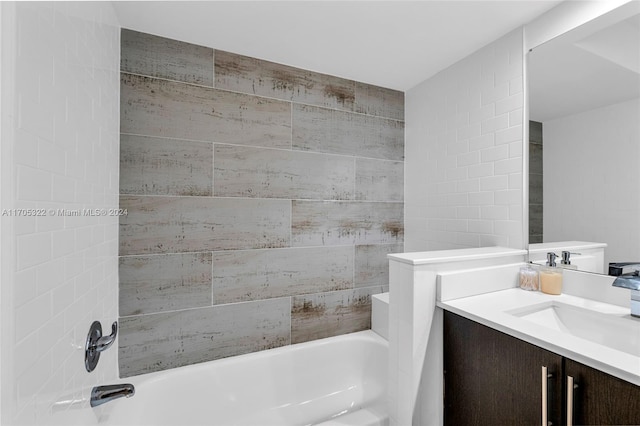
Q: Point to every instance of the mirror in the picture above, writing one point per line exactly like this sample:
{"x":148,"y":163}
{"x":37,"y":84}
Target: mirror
{"x":584,"y":144}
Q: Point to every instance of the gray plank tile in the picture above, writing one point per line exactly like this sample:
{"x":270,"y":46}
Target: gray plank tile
{"x":189,"y":224}
{"x":164,"y":282}
{"x":379,"y":180}
{"x":172,"y":339}
{"x":535,"y":132}
{"x":155,"y":56}
{"x":372,"y":265}
{"x":375,"y":100}
{"x":316,"y":223}
{"x":338,"y":132}
{"x":535,"y":158}
{"x":157,"y":166}
{"x":153,"y":107}
{"x":241,"y":275}
{"x":536,"y":188}
{"x":264,"y":78}
{"x":536,"y":219}
{"x":535,"y":239}
{"x":317,"y":316}
{"x":274,"y":173}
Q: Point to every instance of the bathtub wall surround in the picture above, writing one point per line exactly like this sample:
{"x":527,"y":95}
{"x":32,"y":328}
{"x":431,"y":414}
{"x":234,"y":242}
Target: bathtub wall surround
{"x":60,"y":86}
{"x":262,"y":201}
{"x":464,"y":148}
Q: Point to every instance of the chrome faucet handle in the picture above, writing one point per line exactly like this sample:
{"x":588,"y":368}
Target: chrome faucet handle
{"x":97,"y":343}
{"x":624,"y":268}
{"x":105,"y":342}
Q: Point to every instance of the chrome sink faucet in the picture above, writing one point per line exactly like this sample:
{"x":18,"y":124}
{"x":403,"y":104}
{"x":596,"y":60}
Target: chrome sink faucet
{"x":103,"y":394}
{"x":631,"y":281}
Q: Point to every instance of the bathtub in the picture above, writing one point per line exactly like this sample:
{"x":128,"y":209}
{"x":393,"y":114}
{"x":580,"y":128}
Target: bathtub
{"x":335,"y":381}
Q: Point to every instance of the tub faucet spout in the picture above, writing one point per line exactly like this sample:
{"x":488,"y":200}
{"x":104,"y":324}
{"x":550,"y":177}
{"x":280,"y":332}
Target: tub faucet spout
{"x":104,"y":394}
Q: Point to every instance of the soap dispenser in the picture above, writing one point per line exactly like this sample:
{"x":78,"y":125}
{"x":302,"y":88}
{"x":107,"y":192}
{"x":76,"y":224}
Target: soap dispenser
{"x":551,"y":276}
{"x":566,"y":260}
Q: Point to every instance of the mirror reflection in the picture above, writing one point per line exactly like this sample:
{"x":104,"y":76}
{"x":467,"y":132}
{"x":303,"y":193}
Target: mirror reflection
{"x":584,"y":148}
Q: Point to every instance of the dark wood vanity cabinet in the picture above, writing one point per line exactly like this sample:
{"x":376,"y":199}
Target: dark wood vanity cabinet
{"x":601,"y":399}
{"x":491,"y":378}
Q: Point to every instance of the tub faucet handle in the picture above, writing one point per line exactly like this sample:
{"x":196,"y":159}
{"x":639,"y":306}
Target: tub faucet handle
{"x":105,"y":342}
{"x":97,"y":343}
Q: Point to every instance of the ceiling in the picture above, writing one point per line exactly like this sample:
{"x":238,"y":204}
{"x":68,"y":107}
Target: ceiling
{"x":394,"y":44}
{"x":595,"y":65}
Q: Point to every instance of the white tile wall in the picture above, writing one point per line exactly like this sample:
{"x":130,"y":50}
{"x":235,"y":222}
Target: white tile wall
{"x":463,"y":150}
{"x":61,"y":109}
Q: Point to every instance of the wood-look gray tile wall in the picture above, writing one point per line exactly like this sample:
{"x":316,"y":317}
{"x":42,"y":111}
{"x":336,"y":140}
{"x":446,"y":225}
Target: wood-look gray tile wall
{"x":328,"y":314}
{"x":262,"y":201}
{"x":372,"y":265}
{"x":338,"y":132}
{"x":157,"y":166}
{"x":242,"y":275}
{"x":379,"y":180}
{"x":161,"y":57}
{"x":193,"y":224}
{"x":164,"y":282}
{"x":172,"y":339}
{"x":257,"y":77}
{"x":274,"y":173}
{"x":154,"y":107}
{"x":536,"y":192}
{"x":319,"y":223}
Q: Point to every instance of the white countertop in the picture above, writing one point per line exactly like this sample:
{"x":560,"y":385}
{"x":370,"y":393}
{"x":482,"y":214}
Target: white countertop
{"x":565,"y":245}
{"x":491,"y":309}
{"x":441,"y":256}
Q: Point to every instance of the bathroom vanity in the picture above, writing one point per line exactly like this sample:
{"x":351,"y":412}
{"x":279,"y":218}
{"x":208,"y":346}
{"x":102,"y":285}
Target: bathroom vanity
{"x":517,"y":357}
{"x":493,"y":378}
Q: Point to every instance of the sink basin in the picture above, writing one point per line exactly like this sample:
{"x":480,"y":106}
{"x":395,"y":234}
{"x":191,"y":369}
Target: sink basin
{"x":621,"y":332}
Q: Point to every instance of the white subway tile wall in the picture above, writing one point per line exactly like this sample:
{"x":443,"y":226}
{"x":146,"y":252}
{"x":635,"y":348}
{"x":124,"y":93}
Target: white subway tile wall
{"x":463,"y":150}
{"x":65,"y":158}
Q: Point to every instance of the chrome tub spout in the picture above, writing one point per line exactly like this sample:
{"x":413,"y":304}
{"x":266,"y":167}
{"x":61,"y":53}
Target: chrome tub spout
{"x":104,"y":394}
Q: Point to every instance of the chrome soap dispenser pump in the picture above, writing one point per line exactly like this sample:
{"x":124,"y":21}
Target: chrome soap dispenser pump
{"x":566,"y":260}
{"x":551,"y":276}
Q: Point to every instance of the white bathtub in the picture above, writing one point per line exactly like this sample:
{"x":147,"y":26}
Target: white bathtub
{"x":336,"y":381}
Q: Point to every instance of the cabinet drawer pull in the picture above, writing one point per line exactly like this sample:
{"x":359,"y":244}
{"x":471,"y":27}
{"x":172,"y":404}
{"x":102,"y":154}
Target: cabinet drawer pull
{"x":545,"y":392}
{"x":570,"y":387}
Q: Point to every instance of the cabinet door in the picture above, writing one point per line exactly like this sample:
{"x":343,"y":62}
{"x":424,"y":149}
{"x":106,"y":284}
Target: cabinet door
{"x":601,"y":399}
{"x":491,"y":378}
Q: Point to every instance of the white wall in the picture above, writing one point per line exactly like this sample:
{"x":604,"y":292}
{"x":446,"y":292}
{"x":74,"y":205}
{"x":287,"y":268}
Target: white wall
{"x":60,"y":150}
{"x":463,"y":150}
{"x":592,"y":179}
